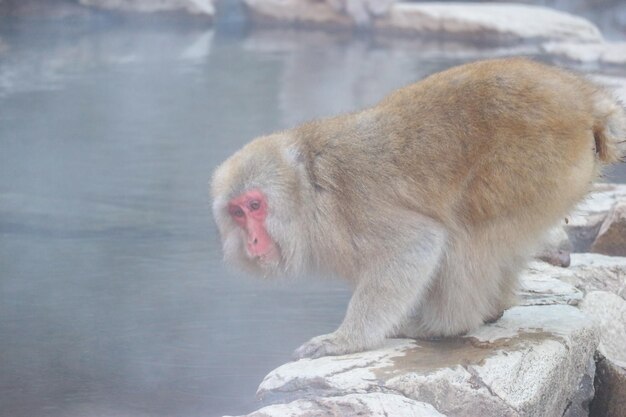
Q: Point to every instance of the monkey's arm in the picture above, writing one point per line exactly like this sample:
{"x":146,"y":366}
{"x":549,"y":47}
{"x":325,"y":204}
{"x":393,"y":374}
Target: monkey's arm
{"x":386,"y":293}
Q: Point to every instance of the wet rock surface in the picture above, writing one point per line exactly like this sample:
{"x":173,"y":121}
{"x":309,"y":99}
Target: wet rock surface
{"x":501,"y":369}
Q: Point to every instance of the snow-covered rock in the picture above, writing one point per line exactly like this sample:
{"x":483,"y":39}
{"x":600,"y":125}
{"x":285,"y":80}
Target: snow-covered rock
{"x":531,"y":362}
{"x":297,"y":12}
{"x":539,"y":288}
{"x":600,"y":200}
{"x":370,"y":405}
{"x":497,"y":21}
{"x":480,"y":21}
{"x":587,"y":272}
{"x":608,"y":53}
{"x":200,"y":8}
{"x":362,"y":11}
{"x":598,"y":272}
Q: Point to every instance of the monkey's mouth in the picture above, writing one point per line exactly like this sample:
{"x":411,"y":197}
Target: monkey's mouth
{"x":271,"y":256}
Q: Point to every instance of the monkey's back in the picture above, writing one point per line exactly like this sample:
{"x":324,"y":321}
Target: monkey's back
{"x":503,"y":135}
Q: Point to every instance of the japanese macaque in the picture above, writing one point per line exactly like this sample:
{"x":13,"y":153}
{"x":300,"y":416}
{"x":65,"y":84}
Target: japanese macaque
{"x":429,"y":202}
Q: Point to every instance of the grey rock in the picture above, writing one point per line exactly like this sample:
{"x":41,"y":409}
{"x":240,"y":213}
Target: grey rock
{"x":500,"y":22}
{"x":352,"y":405}
{"x":200,"y":8}
{"x":590,"y":272}
{"x":609,"y":311}
{"x":489,"y":21}
{"x":581,"y":400}
{"x":539,"y":288}
{"x":610,"y":388}
{"x":607,"y":53}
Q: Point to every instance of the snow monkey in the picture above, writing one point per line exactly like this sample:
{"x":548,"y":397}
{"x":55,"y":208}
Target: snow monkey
{"x":429,"y":203}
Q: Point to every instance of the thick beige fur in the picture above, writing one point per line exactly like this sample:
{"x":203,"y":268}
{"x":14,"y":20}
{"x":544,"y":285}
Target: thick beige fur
{"x":431,"y":201}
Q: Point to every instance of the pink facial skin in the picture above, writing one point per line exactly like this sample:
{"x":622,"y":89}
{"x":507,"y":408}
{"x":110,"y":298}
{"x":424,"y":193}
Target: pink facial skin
{"x":249,"y":211}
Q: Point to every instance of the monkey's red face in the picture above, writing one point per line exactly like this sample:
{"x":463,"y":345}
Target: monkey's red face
{"x":249,"y":211}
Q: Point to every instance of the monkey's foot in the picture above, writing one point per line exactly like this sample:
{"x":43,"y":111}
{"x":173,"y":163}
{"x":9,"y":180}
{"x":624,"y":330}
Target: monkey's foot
{"x":325,"y":345}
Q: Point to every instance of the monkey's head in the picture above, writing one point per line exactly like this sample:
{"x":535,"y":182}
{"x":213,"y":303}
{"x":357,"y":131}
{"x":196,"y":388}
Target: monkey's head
{"x":256,"y":205}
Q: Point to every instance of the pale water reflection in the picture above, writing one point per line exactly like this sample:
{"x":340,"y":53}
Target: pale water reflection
{"x":113,"y":297}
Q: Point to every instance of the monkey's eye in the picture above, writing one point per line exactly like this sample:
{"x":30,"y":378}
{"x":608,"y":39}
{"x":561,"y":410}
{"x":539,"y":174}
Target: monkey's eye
{"x":255,"y":205}
{"x":236,"y":212}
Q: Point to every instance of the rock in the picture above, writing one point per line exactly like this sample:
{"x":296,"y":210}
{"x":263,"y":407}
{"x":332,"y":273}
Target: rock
{"x":297,"y":12}
{"x":600,"y":200}
{"x":579,"y":404}
{"x":370,"y":405}
{"x":198,"y":8}
{"x":610,"y":389}
{"x":50,"y":9}
{"x":362,"y":11}
{"x":475,"y":21}
{"x":611,"y":239}
{"x":588,"y":272}
{"x":605,"y":53}
{"x":531,"y":362}
{"x":493,"y":21}
{"x":538,"y":288}
{"x":598,"y":272}
{"x":584,"y":222}
{"x":609,"y":311}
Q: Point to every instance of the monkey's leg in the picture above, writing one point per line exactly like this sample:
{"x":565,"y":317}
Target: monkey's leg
{"x":385,"y":295}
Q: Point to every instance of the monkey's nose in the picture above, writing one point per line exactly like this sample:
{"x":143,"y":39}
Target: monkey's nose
{"x":254,"y":242}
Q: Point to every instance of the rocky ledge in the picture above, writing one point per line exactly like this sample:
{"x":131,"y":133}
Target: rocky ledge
{"x":560,"y":352}
{"x":562,"y":36}
{"x":496,"y":22}
{"x":204,"y":9}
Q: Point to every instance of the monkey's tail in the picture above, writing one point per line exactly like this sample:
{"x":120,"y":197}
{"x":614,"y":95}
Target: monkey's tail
{"x":609,"y":129}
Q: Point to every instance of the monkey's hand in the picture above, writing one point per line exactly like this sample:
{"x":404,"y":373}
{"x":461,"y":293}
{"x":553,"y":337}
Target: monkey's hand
{"x":331,"y":344}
